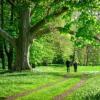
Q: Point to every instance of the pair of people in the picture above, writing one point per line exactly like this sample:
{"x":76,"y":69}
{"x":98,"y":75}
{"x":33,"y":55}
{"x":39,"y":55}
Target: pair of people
{"x":68,"y":64}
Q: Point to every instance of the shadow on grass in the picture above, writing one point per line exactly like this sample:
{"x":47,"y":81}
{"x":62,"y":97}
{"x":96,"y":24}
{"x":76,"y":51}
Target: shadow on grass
{"x":93,"y":97}
{"x":42,"y":75}
{"x":57,"y":65}
{"x":4,"y":71}
{"x":2,"y":98}
{"x":56,"y":74}
{"x":37,"y":74}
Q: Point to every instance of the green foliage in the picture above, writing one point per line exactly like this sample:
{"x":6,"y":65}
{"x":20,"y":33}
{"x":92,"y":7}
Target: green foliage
{"x":57,"y":48}
{"x":41,"y":51}
{"x":88,"y":55}
{"x":50,"y":48}
{"x":87,"y":24}
{"x":87,"y":28}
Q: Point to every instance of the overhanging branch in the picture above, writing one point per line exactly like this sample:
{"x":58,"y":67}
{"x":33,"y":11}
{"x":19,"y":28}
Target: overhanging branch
{"x":11,"y":2}
{"x":53,"y":2}
{"x":39,"y":34}
{"x":97,"y":38}
{"x":43,"y":31}
{"x":40,"y":24}
{"x":7,"y":37}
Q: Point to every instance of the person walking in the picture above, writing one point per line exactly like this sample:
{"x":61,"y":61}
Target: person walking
{"x":75,"y":66}
{"x":68,"y":65}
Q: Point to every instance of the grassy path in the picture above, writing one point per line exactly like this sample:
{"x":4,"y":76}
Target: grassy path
{"x":71,"y":90}
{"x":44,"y":83}
{"x":31,"y":91}
{"x":14,"y":97}
{"x":61,"y":96}
{"x":66,"y":93}
{"x":89,"y":91}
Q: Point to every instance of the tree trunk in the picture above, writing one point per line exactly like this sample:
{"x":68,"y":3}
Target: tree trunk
{"x":3,"y":61}
{"x":10,"y":53}
{"x":8,"y":47}
{"x":10,"y":60}
{"x":1,"y":40}
{"x":22,"y":56}
{"x":87,"y":55}
{"x":22,"y":43}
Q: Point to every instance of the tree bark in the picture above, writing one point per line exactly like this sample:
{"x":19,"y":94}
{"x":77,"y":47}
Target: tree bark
{"x":9,"y":54}
{"x":1,"y":39}
{"x":22,"y":55}
{"x":7,"y":37}
{"x":10,"y":59}
{"x":87,"y":55}
{"x":22,"y":43}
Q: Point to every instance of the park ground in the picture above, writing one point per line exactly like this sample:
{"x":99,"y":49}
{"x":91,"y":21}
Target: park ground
{"x":51,"y":83}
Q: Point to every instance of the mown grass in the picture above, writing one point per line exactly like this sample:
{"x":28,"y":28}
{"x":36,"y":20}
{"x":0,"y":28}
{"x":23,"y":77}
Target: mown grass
{"x":89,"y":91}
{"x":12,"y":83}
{"x":49,"y":92}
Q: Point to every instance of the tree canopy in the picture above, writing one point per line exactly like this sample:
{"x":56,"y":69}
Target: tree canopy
{"x":27,"y":20}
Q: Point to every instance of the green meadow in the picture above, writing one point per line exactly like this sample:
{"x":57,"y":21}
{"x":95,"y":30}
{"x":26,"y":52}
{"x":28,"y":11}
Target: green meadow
{"x":54,"y":80}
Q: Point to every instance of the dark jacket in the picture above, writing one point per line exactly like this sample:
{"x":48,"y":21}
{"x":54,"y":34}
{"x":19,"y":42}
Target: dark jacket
{"x":67,"y":63}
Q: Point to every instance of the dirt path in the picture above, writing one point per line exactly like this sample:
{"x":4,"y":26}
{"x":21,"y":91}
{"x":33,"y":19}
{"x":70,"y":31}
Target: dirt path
{"x":14,"y":97}
{"x":71,"y":90}
{"x":58,"y":97}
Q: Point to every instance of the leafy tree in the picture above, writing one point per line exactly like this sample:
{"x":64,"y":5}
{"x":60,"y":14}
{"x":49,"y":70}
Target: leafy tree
{"x":27,"y":32}
{"x":32,"y":17}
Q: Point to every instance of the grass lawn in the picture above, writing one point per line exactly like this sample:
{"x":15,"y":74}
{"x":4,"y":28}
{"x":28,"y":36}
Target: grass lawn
{"x":90,"y":91}
{"x":12,"y":83}
{"x":50,"y":92}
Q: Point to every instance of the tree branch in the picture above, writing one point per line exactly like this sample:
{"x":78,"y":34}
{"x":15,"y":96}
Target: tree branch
{"x":37,"y":29}
{"x":54,"y":2}
{"x":97,"y":37}
{"x":40,"y":24}
{"x":43,"y":31}
{"x":39,"y":34}
{"x":7,"y":37}
{"x":5,"y":47}
{"x":11,"y":2}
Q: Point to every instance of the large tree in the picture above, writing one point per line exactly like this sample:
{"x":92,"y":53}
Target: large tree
{"x":32,"y":17}
{"x":26,"y":31}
